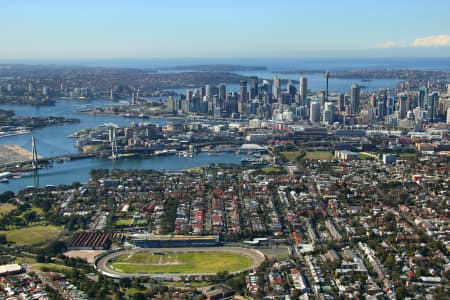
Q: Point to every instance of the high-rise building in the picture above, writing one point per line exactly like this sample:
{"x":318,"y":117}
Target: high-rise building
{"x":423,"y":97}
{"x":328,"y":112}
{"x":171,"y":104}
{"x":267,"y":86}
{"x":291,"y":88}
{"x":314,"y":112}
{"x":208,"y":91}
{"x":303,"y":88}
{"x":222,"y":92}
{"x":276,"y":88}
{"x":373,"y":101}
{"x":402,"y":109}
{"x":434,"y":103}
{"x":243,"y":91}
{"x":355,"y":98}
{"x":231,"y":103}
{"x":189,"y":95}
{"x":327,"y":76}
{"x":253,"y":87}
{"x":448,"y":115}
{"x":341,"y":102}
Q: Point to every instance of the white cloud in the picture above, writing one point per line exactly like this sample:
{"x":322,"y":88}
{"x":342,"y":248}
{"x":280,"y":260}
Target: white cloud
{"x":440,"y":40}
{"x":390,"y":44}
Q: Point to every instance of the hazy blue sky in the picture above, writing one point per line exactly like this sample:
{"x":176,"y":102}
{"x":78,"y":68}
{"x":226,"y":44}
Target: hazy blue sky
{"x":222,"y":28}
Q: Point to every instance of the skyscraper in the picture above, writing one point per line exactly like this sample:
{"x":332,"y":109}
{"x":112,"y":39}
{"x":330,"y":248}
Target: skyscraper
{"x":314,"y":112}
{"x":303,"y":88}
{"x":327,"y":76}
{"x":423,"y":97}
{"x":243,"y":91}
{"x":222,"y":92}
{"x":402,"y":106}
{"x":355,"y":98}
{"x":328,"y":112}
{"x":253,"y":87}
{"x":341,"y":102}
{"x":434,"y":103}
{"x":276,"y":92}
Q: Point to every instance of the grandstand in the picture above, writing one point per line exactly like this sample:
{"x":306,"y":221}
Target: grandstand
{"x":90,"y":241}
{"x":173,"y":241}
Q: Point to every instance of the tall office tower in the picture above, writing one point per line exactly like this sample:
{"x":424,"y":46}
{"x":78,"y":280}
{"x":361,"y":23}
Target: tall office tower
{"x":208,"y":92}
{"x":328,"y":112}
{"x":189,"y":95}
{"x":327,"y":76}
{"x":291,"y":88}
{"x":253,"y":87}
{"x":314,"y":112}
{"x":448,"y":115}
{"x":195,"y":104}
{"x":297,"y":99}
{"x":381,"y":110}
{"x":267,"y":86}
{"x":322,"y":97}
{"x":391,"y":105}
{"x":402,"y":109}
{"x":133,"y":99}
{"x":202,"y":92}
{"x":303,"y":88}
{"x":231,"y":103}
{"x":341,"y":102}
{"x":215,"y":102}
{"x":243,"y":92}
{"x":434,"y":103}
{"x":276,"y":88}
{"x":373,"y":101}
{"x":423,"y":97}
{"x":222,"y":92}
{"x":448,"y":89}
{"x":171,"y":104}
{"x":355,"y":98}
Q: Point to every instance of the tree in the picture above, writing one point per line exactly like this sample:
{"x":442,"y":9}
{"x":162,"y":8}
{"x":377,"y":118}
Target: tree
{"x":125,"y":282}
{"x":30,"y":216}
{"x":139,"y":296}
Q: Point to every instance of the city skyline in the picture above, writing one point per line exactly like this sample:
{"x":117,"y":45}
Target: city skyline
{"x":202,"y":29}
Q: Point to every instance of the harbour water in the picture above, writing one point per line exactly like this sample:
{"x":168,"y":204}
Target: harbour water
{"x":54,"y":140}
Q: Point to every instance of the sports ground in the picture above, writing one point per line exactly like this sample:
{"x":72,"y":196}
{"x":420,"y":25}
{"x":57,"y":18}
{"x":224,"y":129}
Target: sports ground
{"x":174,"y":262}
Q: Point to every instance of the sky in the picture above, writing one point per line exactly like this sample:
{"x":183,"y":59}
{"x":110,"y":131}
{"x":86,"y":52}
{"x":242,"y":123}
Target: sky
{"x":59,"y":29}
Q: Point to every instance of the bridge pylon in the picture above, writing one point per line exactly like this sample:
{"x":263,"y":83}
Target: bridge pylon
{"x":34,"y":157}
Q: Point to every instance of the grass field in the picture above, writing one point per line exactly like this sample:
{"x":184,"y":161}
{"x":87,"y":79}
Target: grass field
{"x":32,"y":235}
{"x":272,"y":170}
{"x":124,"y":222}
{"x":181,"y":262}
{"x":365,"y":156}
{"x":291,"y":155}
{"x":6,"y":208}
{"x":407,"y":155}
{"x":51,"y":267}
{"x":319,"y":155}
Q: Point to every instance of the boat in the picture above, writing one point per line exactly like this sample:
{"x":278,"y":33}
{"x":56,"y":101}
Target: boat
{"x":4,"y":180}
